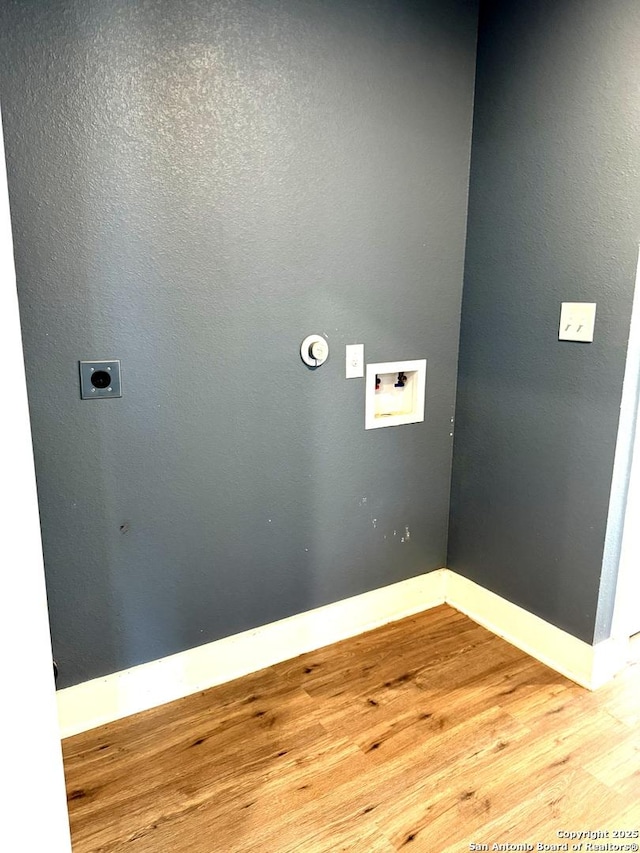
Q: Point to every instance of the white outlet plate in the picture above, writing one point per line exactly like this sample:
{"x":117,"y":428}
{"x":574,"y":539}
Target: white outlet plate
{"x":577,"y":321}
{"x":354,"y":367}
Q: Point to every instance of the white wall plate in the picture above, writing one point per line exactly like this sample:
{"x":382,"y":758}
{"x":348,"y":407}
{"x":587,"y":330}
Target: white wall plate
{"x":354,"y":358}
{"x":577,"y":321}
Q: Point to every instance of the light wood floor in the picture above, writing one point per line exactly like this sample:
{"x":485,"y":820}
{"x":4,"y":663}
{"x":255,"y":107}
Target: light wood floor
{"x":429,"y":734}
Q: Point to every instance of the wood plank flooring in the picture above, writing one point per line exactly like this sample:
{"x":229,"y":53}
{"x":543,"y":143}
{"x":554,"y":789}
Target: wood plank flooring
{"x":429,"y":734}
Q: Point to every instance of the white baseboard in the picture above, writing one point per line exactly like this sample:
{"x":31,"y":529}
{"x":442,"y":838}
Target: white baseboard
{"x":609,"y":658}
{"x":590,"y":666}
{"x":103,"y":700}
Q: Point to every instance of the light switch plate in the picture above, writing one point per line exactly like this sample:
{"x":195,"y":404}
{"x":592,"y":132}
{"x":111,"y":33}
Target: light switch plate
{"x":577,"y":321}
{"x":354,"y":368}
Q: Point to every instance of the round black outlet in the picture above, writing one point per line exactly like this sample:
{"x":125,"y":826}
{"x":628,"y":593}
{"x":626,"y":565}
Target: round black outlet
{"x":100,"y":379}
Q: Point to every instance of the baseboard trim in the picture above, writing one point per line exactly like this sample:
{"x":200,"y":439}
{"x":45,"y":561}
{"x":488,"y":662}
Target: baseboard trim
{"x":589,"y":666}
{"x":103,"y":700}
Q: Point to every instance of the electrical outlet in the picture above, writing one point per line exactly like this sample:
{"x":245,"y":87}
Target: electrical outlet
{"x":577,"y":321}
{"x":354,"y":368}
{"x":100,"y":379}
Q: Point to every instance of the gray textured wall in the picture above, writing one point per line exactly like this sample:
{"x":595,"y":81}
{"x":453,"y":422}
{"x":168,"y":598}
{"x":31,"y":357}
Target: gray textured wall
{"x":554,"y":215}
{"x":195,"y":187}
